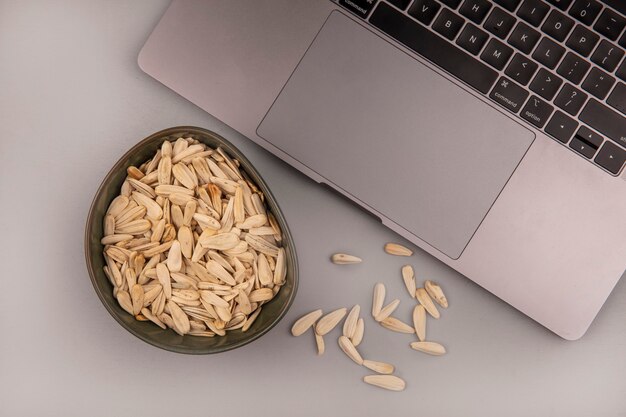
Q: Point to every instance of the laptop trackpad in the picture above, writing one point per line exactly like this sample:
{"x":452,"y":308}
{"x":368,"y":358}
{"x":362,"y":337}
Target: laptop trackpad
{"x":395,"y":134}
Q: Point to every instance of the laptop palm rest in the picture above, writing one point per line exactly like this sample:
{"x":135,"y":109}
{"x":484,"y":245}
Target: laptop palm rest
{"x":395,"y":135}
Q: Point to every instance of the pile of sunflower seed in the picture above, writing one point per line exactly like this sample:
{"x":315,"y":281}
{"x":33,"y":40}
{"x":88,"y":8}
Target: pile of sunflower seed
{"x":189,"y":243}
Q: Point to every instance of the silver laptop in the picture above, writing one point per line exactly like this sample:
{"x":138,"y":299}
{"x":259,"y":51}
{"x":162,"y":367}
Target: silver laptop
{"x":489,"y":133}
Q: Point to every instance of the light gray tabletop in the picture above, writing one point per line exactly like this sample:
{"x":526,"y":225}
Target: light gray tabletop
{"x":72,"y":100}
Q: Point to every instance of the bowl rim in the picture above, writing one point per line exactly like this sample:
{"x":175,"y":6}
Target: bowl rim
{"x":264,"y":187}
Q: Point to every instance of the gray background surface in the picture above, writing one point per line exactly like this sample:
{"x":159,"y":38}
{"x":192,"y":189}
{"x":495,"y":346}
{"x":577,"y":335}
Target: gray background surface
{"x":72,"y":100}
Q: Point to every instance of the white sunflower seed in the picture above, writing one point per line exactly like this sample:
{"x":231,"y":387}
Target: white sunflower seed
{"x":348,"y":348}
{"x":397,"y":249}
{"x":425,"y":300}
{"x":345,"y":259}
{"x":432,"y":348}
{"x":389,"y":382}
{"x":419,"y":321}
{"x":305,"y":322}
{"x":436,"y":293}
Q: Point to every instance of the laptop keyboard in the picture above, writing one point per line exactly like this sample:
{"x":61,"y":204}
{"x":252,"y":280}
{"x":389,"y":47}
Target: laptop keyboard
{"x":557,"y":64}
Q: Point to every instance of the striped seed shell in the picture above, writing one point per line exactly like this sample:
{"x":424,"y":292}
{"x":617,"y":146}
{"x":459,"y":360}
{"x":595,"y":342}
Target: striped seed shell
{"x":222,"y":241}
{"x":187,"y":152}
{"x":345,"y":259}
{"x":181,"y":321}
{"x":357,"y":337}
{"x":163,"y":275}
{"x":166,"y":190}
{"x":265,"y":273}
{"x":436,"y":293}
{"x":118,"y":204}
{"x":153,"y":210}
{"x":253,"y":221}
{"x":213,"y":299}
{"x":425,"y":300}
{"x":432,"y":348}
{"x":280,"y":269}
{"x":387,"y":310}
{"x":397,"y":325}
{"x":408,"y":276}
{"x":113,"y":239}
{"x":124,"y":300}
{"x":164,"y":171}
{"x":419,"y":321}
{"x":380,"y":367}
{"x":319,"y":342}
{"x":259,"y":244}
{"x":305,"y":322}
{"x":329,"y":321}
{"x":142,"y":188}
{"x":185,"y":238}
{"x":262,"y":294}
{"x":397,"y":249}
{"x":185,"y":176}
{"x":136,"y":296}
{"x":219,"y":272}
{"x":154,"y":319}
{"x":389,"y":382}
{"x":174,"y":257}
{"x":378,"y":299}
{"x":348,"y":348}
{"x":349,"y":325}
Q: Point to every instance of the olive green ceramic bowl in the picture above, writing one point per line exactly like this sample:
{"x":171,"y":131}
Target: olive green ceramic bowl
{"x":271,"y":313}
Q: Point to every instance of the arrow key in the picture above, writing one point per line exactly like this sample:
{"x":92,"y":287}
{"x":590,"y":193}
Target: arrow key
{"x":561,"y":126}
{"x":546,"y":84}
{"x":582,"y":148}
{"x":611,"y":157}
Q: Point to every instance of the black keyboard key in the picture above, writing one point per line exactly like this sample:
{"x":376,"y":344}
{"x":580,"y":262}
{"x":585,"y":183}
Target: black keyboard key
{"x":451,"y":3}
{"x":587,"y":135}
{"x":570,"y":99}
{"x":621,"y":71}
{"x":524,"y":37}
{"x":432,"y":47}
{"x":424,"y":10}
{"x":605,"y":121}
{"x":610,"y":24}
{"x":360,"y":8}
{"x":521,"y":69}
{"x":546,"y":84}
{"x":510,"y":5}
{"x":582,"y":40}
{"x":496,"y":54}
{"x":548,"y":53}
{"x":536,"y":111}
{"x":607,"y":55}
{"x":573,"y":68}
{"x":598,"y":83}
{"x":499,"y":23}
{"x":448,"y":24}
{"x":611,"y":157}
{"x":400,"y":4}
{"x":585,"y":10}
{"x":561,"y":4}
{"x":508,"y":94}
{"x":617,"y":99}
{"x":472,"y":39}
{"x":619,"y":5}
{"x":475,"y":10}
{"x":557,"y":25}
{"x":582,"y":147}
{"x":561,"y":126}
{"x":533,"y":11}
